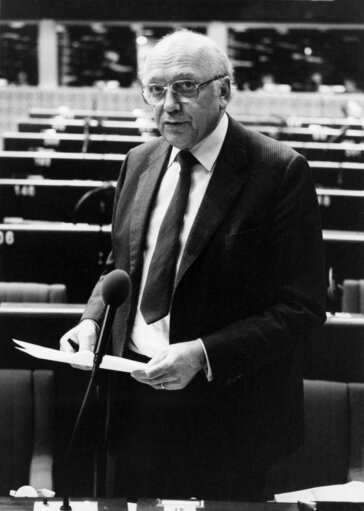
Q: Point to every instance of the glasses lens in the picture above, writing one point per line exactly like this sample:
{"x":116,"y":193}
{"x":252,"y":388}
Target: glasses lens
{"x":185,"y":89}
{"x":154,"y":93}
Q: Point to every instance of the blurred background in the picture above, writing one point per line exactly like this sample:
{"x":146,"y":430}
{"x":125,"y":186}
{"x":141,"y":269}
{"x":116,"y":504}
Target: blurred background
{"x":277,"y":47}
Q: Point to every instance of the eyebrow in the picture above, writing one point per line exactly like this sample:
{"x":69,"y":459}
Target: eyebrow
{"x":181,"y":76}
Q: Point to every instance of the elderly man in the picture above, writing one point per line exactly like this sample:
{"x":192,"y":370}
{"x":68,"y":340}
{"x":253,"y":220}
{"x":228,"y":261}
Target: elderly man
{"x":219,"y":229}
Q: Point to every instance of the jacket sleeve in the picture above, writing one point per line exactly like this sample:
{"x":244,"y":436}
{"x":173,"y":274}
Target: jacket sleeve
{"x":95,"y":307}
{"x":297,"y":304}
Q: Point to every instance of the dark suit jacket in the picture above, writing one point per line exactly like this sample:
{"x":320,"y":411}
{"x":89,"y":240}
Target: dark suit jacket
{"x":250,"y":283}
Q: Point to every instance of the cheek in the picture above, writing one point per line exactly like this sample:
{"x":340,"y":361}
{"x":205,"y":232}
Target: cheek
{"x":157,"y":115}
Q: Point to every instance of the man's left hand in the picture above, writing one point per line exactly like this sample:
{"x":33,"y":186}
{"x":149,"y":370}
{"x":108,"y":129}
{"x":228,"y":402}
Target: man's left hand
{"x":174,"y":367}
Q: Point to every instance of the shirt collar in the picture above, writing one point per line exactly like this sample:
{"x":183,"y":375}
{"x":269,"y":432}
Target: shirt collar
{"x":209,"y":148}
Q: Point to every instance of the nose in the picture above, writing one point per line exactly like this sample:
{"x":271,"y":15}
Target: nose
{"x":170,"y":101}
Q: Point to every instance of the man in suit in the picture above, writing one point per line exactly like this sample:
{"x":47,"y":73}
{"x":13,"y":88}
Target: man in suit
{"x":221,"y":398}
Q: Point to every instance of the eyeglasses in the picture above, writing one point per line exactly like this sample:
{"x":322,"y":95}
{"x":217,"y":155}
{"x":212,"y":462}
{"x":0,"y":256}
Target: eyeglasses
{"x":185,"y":91}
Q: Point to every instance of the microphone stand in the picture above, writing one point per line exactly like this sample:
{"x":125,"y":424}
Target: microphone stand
{"x":100,"y":350}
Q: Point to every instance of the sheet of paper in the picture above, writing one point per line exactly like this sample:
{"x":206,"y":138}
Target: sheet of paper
{"x":295,"y":496}
{"x":83,"y":358}
{"x":349,"y":492}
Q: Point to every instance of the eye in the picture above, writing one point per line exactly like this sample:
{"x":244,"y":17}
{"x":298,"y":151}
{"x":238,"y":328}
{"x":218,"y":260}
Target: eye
{"x":185,"y":86}
{"x":155,"y":90}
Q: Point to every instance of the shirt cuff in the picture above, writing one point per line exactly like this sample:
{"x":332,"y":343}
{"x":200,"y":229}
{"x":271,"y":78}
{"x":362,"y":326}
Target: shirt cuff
{"x":207,"y":366}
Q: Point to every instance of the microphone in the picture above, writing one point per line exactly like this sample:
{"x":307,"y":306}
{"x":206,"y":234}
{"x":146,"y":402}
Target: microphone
{"x":115,"y":290}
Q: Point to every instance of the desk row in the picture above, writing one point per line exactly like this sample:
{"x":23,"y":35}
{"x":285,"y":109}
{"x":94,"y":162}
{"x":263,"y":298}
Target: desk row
{"x":88,"y":143}
{"x":65,"y":113}
{"x":91,"y":201}
{"x":105,"y":167}
{"x":312,"y":132}
{"x":74,"y":254}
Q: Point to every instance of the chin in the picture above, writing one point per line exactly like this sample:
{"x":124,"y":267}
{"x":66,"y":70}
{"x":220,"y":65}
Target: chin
{"x":178,"y":142}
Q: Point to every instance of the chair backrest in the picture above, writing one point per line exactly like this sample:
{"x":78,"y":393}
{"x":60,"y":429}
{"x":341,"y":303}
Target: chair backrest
{"x":326,"y":456}
{"x":356,"y":465}
{"x":26,"y":428}
{"x":32,"y":292}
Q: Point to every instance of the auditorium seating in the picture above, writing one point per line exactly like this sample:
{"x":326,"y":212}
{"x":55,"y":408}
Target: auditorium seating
{"x":92,"y":126}
{"x":332,"y":204}
{"x":60,"y":165}
{"x":56,"y":200}
{"x":313,"y":133}
{"x":53,"y":186}
{"x":69,"y":142}
{"x":334,"y":429}
{"x":27,"y":409}
{"x":73,"y":254}
{"x":32,"y":292}
{"x":353,"y":296}
{"x":340,"y":175}
{"x":68,"y":113}
{"x":68,"y":166}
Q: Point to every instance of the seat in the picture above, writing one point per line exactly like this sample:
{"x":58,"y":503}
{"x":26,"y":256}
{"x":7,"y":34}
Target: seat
{"x":27,"y":406}
{"x":333,"y":449}
{"x":32,"y":292}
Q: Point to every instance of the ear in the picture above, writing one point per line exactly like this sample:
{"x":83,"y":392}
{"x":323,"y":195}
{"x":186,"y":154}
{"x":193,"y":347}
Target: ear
{"x":225,"y":91}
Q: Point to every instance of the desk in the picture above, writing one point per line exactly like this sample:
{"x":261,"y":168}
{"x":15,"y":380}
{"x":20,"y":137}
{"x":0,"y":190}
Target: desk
{"x":60,"y":165}
{"x":68,"y":142}
{"x":56,"y":200}
{"x":72,"y":254}
{"x":346,"y":151}
{"x":7,"y":504}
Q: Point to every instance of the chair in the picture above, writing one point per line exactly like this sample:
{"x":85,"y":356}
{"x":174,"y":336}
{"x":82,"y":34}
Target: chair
{"x":333,"y":449}
{"x":32,"y":292}
{"x":27,"y":401}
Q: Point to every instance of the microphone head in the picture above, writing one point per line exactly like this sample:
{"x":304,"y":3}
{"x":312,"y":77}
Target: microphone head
{"x":115,"y":288}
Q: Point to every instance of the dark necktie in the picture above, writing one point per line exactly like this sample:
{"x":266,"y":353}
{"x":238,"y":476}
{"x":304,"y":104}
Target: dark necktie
{"x":157,"y":294}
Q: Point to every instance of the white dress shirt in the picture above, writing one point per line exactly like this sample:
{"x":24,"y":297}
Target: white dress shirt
{"x":150,"y":339}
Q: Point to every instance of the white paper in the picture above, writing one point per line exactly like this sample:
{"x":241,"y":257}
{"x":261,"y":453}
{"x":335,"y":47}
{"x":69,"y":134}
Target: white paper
{"x":82,"y":358}
{"x":349,"y":492}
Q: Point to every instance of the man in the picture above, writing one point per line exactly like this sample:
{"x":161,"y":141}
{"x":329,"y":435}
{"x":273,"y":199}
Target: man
{"x":221,"y":397}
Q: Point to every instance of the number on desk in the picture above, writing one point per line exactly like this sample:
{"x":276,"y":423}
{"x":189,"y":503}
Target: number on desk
{"x":24,"y":190}
{"x":7,"y":238}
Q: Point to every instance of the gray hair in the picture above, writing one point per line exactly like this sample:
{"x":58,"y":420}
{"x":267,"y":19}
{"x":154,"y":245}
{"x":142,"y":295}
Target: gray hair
{"x":221,"y":65}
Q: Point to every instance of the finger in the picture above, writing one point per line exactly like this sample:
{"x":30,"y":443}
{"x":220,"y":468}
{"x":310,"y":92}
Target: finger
{"x":157,"y":368}
{"x":144,"y":376}
{"x":66,"y":344}
{"x":157,"y":358}
{"x":82,"y":368}
{"x":74,"y":344}
{"x":86,"y":342}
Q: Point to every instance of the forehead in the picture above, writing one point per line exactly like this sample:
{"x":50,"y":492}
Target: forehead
{"x":176,"y":61}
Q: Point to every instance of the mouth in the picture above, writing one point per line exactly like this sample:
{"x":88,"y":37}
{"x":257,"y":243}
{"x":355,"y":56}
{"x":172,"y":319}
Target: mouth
{"x":174,"y":124}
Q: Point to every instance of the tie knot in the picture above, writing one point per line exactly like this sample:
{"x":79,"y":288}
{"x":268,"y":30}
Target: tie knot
{"x":186,"y":160}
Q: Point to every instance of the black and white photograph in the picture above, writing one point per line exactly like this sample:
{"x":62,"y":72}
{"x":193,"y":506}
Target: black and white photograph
{"x":182,"y":255}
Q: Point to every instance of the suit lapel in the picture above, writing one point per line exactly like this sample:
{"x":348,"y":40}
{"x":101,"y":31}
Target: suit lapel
{"x":147,"y":187}
{"x":229,"y":177}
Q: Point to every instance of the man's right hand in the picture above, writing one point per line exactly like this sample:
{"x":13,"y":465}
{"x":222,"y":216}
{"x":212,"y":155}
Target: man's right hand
{"x":84,"y":335}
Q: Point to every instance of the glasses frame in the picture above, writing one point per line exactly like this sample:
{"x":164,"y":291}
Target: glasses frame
{"x":176,"y":94}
